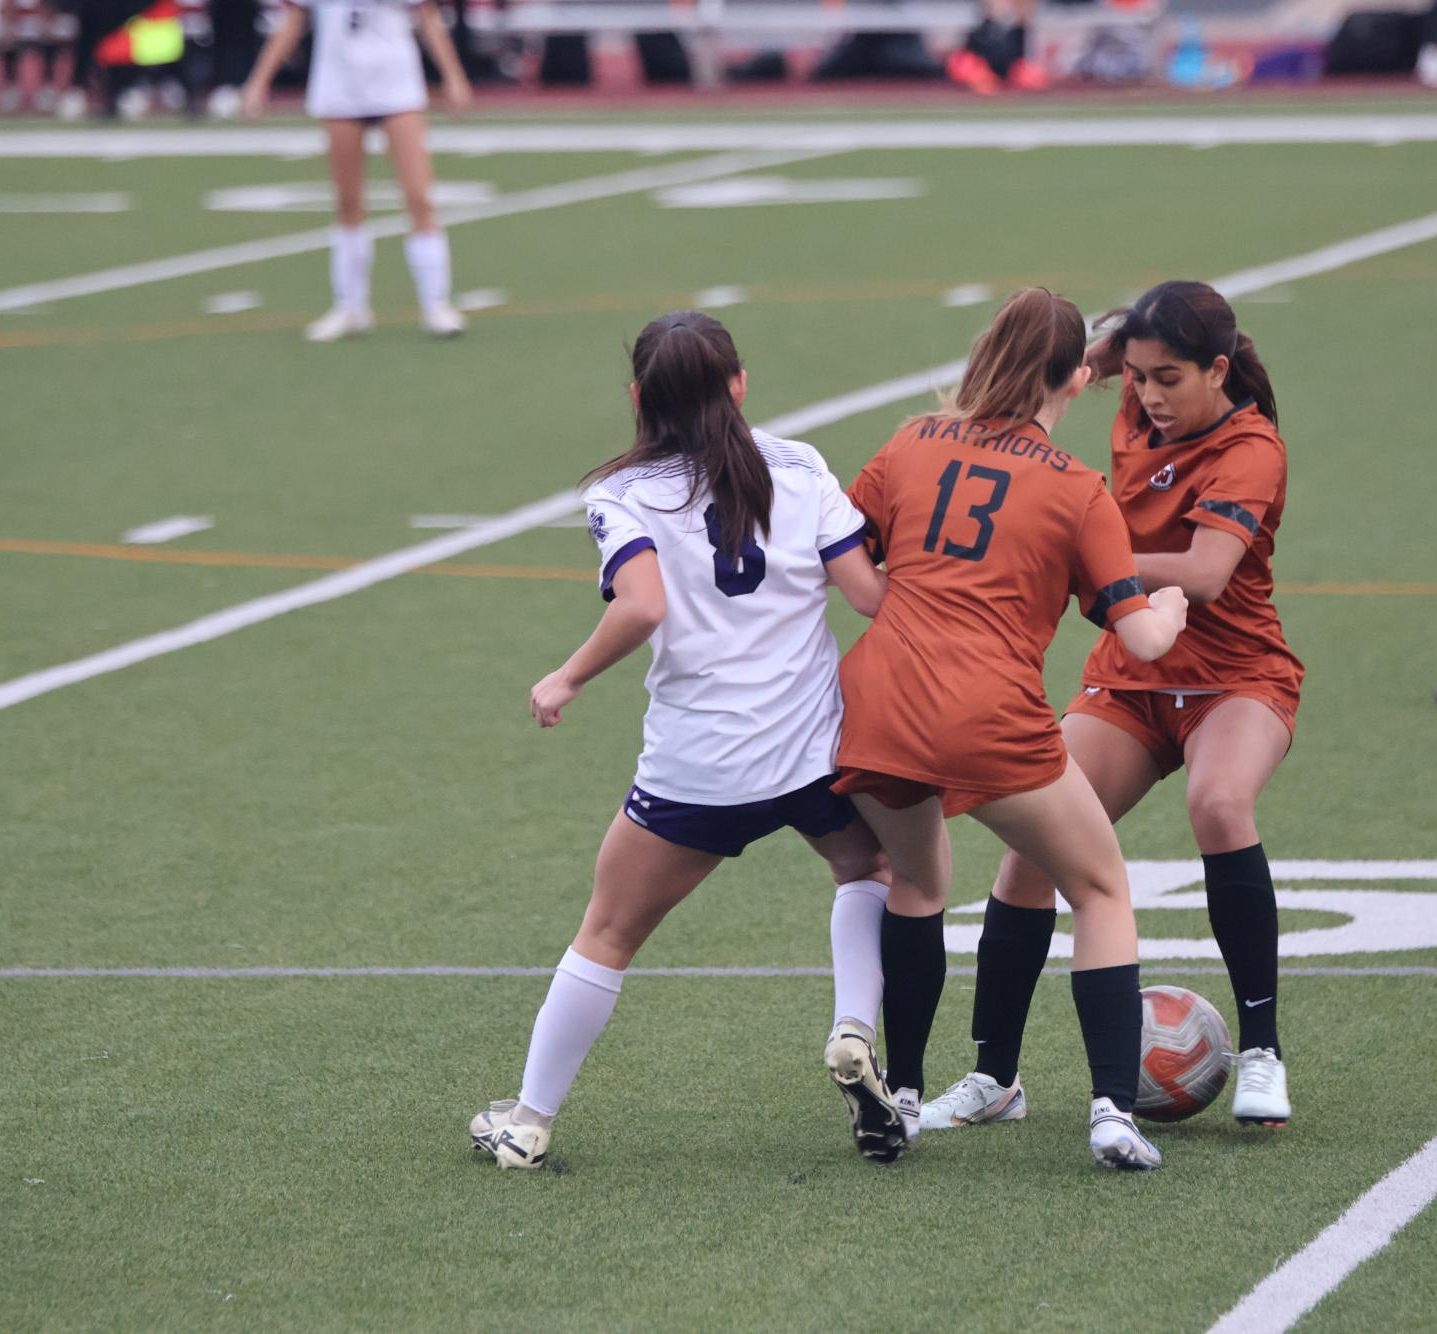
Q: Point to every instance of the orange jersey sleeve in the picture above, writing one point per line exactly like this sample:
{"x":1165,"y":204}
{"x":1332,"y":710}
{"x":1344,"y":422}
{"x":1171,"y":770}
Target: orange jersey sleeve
{"x":1107,"y":574}
{"x":867,"y":495}
{"x":1243,"y":483}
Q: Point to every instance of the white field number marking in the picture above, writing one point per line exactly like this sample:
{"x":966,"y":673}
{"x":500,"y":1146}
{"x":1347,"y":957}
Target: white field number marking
{"x":318,"y":197}
{"x":1379,"y":920}
{"x":750,"y":191}
{"x":104,"y":202}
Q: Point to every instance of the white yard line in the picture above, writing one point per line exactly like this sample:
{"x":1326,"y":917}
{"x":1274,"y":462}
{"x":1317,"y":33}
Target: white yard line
{"x":537,"y":200}
{"x":1232,"y":285}
{"x":800,"y":422}
{"x":262,"y":971}
{"x":1202,"y":131}
{"x":325,"y":589}
{"x":1364,"y":1230}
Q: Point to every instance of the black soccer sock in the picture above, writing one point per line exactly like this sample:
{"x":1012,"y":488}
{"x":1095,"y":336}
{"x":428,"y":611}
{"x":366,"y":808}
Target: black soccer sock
{"x":914,"y":966}
{"x":1242,"y":908}
{"x":1011,"y":954}
{"x":1110,"y":1013}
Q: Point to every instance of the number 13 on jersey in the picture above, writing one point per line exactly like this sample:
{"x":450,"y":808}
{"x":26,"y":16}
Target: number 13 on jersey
{"x":996,"y":480}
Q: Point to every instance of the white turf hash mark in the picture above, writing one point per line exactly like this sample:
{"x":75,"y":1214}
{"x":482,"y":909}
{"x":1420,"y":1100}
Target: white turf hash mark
{"x":1362,"y":1231}
{"x":798,"y":423}
{"x":232,"y":303}
{"x":166,"y":530}
{"x":537,"y":200}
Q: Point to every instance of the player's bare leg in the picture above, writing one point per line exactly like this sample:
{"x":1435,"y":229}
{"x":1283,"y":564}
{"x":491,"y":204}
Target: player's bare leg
{"x":1018,"y":930}
{"x":351,"y":253}
{"x":1064,"y":830}
{"x":1230,"y":758}
{"x":426,"y":248}
{"x":639,"y":877}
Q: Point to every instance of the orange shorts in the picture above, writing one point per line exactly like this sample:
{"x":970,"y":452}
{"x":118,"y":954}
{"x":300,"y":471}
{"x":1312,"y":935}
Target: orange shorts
{"x":900,"y":793}
{"x":1163,"y":722}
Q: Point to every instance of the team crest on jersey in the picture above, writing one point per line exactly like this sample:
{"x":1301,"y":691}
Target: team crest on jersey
{"x":1163,"y":479}
{"x":596,"y":526}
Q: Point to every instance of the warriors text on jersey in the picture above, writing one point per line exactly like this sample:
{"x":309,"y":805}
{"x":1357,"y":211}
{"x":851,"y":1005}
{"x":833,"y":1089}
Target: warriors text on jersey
{"x":744,"y":683}
{"x":1233,"y":477}
{"x":365,"y":61}
{"x":987,"y":528}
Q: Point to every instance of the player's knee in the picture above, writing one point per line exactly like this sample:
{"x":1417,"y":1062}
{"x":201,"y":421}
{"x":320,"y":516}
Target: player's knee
{"x":1219,"y":815}
{"x":868,"y":865}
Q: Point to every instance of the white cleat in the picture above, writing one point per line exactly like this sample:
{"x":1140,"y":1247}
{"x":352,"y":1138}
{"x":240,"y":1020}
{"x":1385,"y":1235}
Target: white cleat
{"x":877,"y":1124}
{"x":508,"y":1143}
{"x":1117,"y":1142}
{"x":973,"y":1100}
{"x":908,"y":1103}
{"x":1261,"y":1096}
{"x":442,"y":320}
{"x":339,"y":323}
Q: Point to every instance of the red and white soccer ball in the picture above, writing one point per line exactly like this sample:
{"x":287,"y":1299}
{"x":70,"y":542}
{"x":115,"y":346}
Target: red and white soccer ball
{"x":1187,"y":1054}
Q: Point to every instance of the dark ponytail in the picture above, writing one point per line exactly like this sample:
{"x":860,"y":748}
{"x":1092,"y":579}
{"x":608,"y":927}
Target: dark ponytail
{"x":1198,"y":325}
{"x":684,"y":363}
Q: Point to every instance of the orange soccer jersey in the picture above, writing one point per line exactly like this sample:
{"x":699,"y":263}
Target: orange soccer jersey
{"x":1231,"y":476}
{"x":987,"y":528}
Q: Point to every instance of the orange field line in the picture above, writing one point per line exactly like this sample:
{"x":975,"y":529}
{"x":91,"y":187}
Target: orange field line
{"x":257,"y":560}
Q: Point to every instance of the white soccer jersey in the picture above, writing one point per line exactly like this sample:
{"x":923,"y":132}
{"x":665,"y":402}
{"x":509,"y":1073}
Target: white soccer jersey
{"x":365,"y":60}
{"x":744,"y":703}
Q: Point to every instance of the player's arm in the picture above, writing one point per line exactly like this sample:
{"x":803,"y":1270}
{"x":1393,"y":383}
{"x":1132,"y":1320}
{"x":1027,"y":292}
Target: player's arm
{"x":628,"y":621}
{"x":859,"y":580}
{"x":1103,"y":359}
{"x":1148,"y":626}
{"x":435,"y":35}
{"x":276,"y":51}
{"x":1151,"y":631}
{"x":1202,"y":571}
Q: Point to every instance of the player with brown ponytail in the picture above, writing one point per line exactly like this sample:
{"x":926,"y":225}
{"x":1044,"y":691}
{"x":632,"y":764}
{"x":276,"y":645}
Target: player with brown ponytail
{"x":1200,"y":473}
{"x":717,"y":544}
{"x":987,"y":526}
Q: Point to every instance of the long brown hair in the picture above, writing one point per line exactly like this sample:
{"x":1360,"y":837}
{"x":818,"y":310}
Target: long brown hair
{"x":684,"y":363}
{"x":1031,"y":348}
{"x":1196,"y":322}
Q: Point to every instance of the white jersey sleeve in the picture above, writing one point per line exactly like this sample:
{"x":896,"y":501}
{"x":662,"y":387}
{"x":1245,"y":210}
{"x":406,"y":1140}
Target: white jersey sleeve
{"x":620,"y":530}
{"x":841,"y":525}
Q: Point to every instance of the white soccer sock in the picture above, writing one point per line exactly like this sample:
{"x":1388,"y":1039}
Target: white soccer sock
{"x":428,"y":256}
{"x":351,"y":255}
{"x":581,"y":998}
{"x":857,"y":962}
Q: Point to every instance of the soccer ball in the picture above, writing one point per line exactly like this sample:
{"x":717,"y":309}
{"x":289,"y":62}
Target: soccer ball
{"x":1187,"y":1054}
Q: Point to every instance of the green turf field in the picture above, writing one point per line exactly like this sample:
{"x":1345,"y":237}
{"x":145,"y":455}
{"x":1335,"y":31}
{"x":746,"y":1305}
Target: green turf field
{"x":358,"y":784}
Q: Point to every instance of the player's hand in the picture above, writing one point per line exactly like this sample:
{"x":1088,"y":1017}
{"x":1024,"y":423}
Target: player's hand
{"x":550,"y":696}
{"x":1172,"y":603}
{"x":458,"y":95}
{"x":253,"y":100}
{"x":1103,"y":359}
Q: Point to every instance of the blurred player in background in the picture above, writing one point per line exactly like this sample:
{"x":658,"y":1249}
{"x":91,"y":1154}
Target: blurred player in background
{"x":987,"y":527}
{"x":717,"y":544}
{"x":996,"y":51}
{"x":366,"y":69}
{"x":1201,"y":475}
